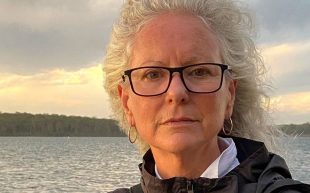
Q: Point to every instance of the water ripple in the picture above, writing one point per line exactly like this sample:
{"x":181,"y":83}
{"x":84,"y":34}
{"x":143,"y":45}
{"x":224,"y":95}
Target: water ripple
{"x":45,"y":164}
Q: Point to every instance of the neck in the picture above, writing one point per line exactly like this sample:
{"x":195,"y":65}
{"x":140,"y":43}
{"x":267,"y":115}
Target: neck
{"x":189,"y":163}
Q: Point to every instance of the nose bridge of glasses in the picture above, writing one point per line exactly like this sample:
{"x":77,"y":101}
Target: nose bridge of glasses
{"x":177,"y":69}
{"x":179,"y":74}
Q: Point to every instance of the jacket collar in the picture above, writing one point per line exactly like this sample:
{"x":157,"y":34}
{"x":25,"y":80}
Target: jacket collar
{"x":252,"y":155}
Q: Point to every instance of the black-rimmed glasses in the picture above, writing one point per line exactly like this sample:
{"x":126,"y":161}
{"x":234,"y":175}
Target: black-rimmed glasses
{"x":155,"y":80}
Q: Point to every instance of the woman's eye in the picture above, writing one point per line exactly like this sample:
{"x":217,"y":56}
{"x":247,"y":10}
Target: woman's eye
{"x":152,"y":75}
{"x":200,"y":72}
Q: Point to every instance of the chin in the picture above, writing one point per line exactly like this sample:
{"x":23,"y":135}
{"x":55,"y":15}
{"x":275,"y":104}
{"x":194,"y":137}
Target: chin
{"x":180,"y":143}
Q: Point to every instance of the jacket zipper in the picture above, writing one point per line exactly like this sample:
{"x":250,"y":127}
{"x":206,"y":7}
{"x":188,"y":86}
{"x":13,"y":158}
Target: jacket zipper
{"x":190,"y":187}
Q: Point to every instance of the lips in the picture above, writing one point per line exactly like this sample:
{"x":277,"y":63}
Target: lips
{"x":178,"y":120}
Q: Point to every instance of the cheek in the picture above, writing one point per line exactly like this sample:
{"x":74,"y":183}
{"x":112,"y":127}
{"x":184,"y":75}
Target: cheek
{"x":212,"y":110}
{"x":143,"y":111}
{"x":211,"y":103}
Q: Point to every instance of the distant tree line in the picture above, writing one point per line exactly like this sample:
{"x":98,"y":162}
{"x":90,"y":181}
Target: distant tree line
{"x":293,"y":129}
{"x":25,"y":124}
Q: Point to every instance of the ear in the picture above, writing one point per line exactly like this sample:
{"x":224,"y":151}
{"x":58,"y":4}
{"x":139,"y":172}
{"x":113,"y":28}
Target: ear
{"x":232,"y":86}
{"x":124,"y":97}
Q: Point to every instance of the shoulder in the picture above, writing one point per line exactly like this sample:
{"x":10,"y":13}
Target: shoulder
{"x":268,"y":171}
{"x":288,"y":186}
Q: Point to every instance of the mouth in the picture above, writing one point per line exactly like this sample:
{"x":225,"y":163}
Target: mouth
{"x":179,"y":120}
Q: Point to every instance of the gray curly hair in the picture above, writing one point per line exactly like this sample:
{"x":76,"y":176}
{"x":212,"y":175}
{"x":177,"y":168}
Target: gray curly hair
{"x":233,"y":26}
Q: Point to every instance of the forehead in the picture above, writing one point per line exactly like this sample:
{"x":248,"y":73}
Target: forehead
{"x":176,"y":36}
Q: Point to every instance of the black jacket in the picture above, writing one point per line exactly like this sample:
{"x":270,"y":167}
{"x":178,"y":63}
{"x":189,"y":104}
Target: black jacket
{"x":259,"y":172}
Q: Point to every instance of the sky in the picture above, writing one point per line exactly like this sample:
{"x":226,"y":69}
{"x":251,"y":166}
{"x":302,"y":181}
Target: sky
{"x":51,"y":54}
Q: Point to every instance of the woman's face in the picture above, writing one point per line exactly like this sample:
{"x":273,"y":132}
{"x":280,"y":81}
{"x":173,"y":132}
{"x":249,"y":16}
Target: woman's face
{"x":177,"y":120}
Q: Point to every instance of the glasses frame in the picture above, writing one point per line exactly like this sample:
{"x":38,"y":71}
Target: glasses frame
{"x":173,"y":70}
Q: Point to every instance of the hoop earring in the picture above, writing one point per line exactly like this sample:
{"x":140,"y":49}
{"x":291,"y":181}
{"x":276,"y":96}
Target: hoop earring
{"x":230,"y":129}
{"x":129,"y":136}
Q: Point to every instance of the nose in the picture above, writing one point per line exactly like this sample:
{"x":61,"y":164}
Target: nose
{"x":177,"y":92}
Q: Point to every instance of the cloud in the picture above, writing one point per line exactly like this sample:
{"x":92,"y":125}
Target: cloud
{"x":58,"y":91}
{"x":282,"y":20}
{"x":43,"y":35}
{"x":45,"y":15}
{"x":289,"y":66}
{"x":292,"y":108}
{"x":51,"y":78}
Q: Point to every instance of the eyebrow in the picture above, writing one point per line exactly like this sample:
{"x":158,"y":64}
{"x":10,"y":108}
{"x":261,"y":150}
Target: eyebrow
{"x":188,"y":60}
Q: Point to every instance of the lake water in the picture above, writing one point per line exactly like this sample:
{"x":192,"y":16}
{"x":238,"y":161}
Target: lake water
{"x":50,"y":164}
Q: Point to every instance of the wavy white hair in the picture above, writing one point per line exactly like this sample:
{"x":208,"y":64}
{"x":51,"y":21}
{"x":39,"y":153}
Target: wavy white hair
{"x":233,"y":26}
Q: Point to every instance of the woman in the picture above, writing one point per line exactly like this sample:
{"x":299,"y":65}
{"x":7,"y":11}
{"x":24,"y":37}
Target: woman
{"x":184,"y":78}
